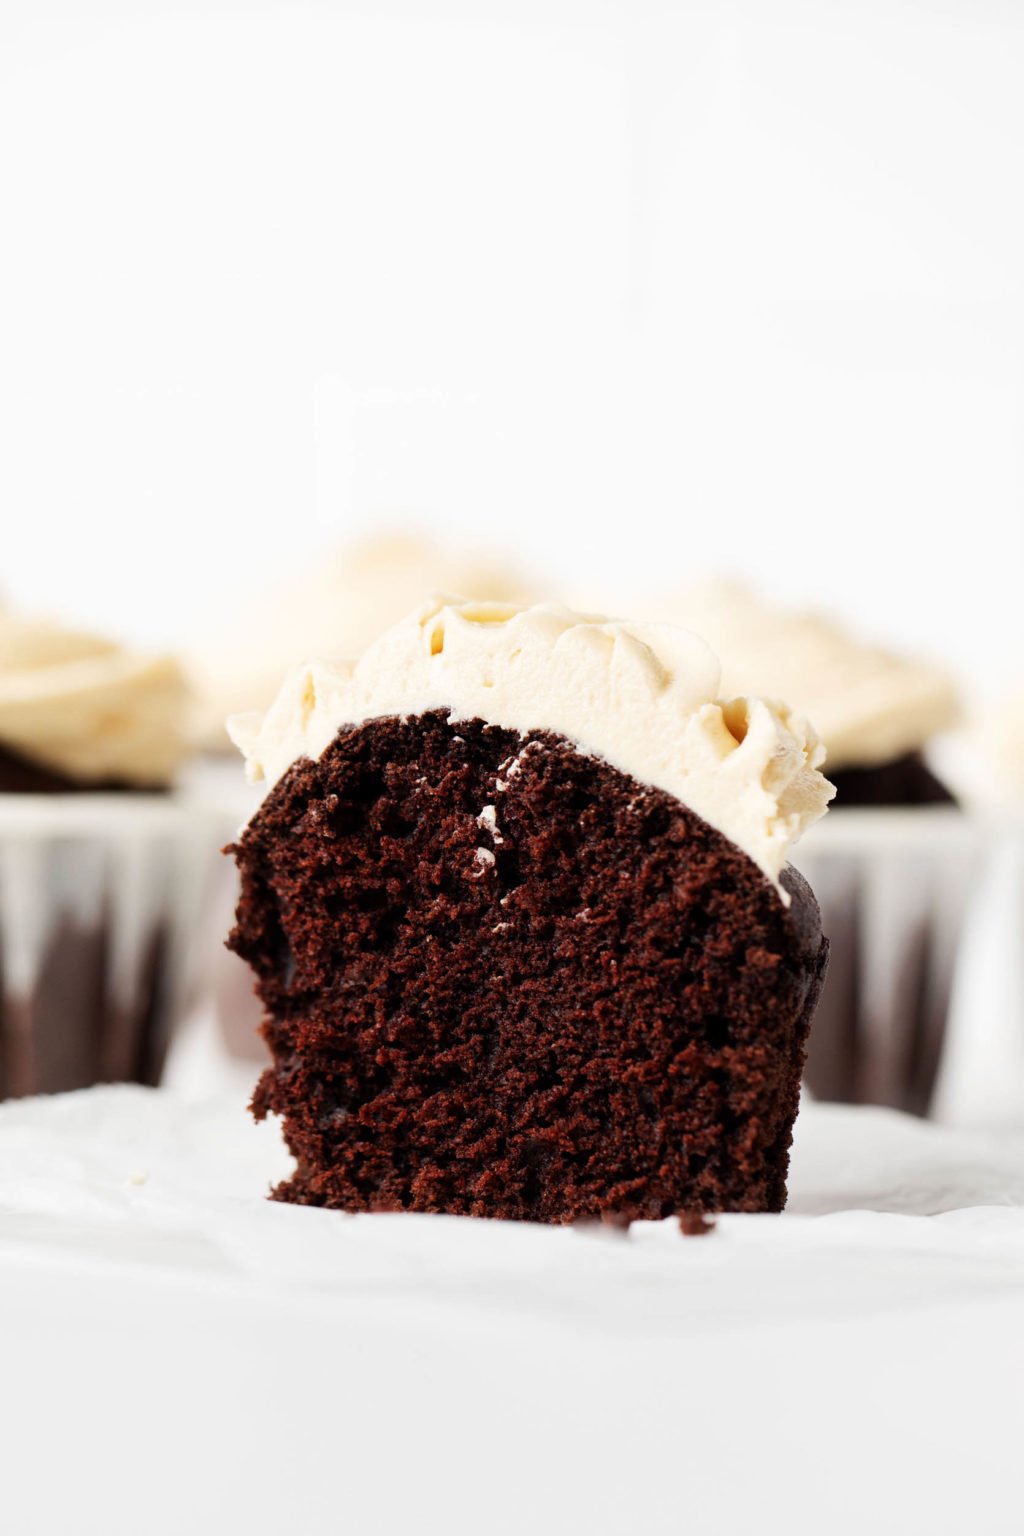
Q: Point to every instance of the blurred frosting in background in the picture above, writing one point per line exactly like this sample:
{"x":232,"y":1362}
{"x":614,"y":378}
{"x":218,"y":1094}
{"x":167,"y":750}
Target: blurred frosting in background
{"x":345,"y":599}
{"x":1002,"y":735}
{"x":867,"y":704}
{"x":985,"y":759}
{"x":85,"y":709}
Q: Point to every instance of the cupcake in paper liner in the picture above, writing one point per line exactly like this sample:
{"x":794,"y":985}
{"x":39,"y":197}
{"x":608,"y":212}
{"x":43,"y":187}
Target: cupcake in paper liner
{"x":97,"y":864}
{"x":894,"y":863}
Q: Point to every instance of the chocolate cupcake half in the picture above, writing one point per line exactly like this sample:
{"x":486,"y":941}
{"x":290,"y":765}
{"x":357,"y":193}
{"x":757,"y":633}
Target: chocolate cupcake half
{"x":521,"y":921}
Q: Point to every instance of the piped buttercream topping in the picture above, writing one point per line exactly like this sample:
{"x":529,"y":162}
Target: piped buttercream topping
{"x":645,"y":697}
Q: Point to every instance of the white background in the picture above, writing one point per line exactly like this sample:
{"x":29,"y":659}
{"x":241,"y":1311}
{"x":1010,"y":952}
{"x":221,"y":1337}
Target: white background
{"x":637,"y":290}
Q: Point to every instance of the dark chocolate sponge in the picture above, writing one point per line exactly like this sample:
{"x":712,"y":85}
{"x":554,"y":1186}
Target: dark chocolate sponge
{"x":595,"y":1008}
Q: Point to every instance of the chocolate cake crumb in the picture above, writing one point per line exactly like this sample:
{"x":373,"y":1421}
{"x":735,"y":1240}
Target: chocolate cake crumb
{"x":618,"y":1221}
{"x":695,"y":1224}
{"x":588,"y":1004}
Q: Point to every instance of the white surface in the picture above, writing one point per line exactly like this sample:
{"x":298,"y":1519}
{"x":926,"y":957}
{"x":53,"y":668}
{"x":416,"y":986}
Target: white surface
{"x":179,"y":1354}
{"x":625,"y":283}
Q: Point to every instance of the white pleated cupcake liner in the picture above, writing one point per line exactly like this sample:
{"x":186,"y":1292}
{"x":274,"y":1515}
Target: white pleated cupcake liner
{"x":898,"y":891}
{"x":98,"y":905}
{"x":981,"y":1081}
{"x":217,"y":794}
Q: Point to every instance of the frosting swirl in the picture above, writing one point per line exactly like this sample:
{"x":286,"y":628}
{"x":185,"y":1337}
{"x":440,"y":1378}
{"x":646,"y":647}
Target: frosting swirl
{"x":643,"y":696}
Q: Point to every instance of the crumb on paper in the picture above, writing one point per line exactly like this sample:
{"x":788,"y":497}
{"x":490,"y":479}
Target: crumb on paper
{"x":612,"y":1225}
{"x":695,"y":1224}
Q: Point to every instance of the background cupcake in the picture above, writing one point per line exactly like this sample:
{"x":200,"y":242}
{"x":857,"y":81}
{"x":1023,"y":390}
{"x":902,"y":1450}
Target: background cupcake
{"x":893,"y":863}
{"x":95,"y":858}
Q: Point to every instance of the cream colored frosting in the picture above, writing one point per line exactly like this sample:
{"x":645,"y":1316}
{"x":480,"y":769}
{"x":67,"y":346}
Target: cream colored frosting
{"x":642,"y":696}
{"x":88,"y":708}
{"x":868,"y":705}
{"x":342,"y":602}
{"x":1003,"y":734}
{"x":984,"y":760}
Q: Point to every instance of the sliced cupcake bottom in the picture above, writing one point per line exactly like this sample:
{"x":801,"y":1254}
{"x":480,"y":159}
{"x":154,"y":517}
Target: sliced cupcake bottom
{"x":503,"y":978}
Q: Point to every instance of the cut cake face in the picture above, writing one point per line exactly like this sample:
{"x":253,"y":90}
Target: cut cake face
{"x":503,"y":976}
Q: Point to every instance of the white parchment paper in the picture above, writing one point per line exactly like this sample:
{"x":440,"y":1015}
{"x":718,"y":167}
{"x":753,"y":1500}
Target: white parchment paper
{"x":178,"y":1353}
